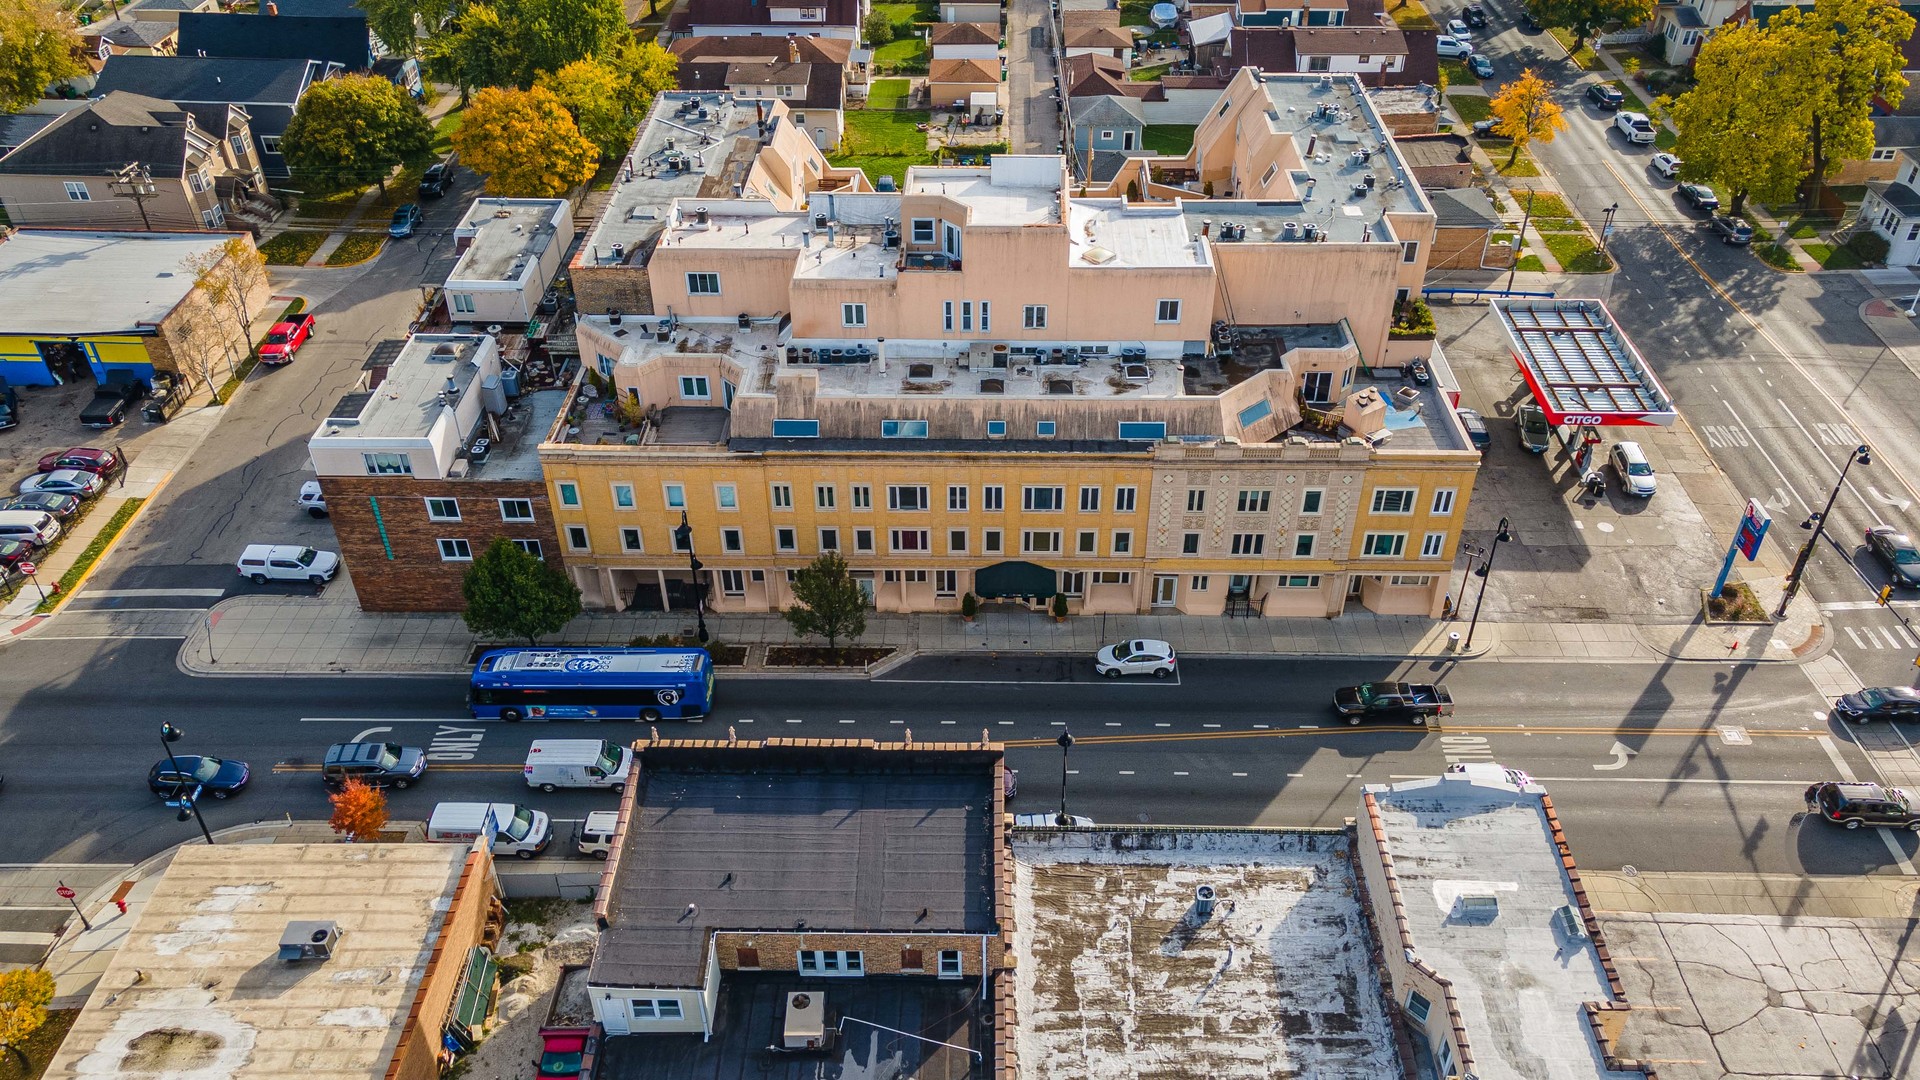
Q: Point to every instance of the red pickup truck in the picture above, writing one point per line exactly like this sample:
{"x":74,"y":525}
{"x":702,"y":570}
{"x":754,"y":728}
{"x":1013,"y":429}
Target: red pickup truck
{"x":285,"y":338}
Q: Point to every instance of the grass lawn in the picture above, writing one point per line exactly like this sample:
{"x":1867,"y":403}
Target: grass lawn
{"x":292,"y":248}
{"x":356,"y":248}
{"x":1831,"y":257}
{"x":1664,"y":139}
{"x":1136,"y":12}
{"x":1412,"y":15}
{"x":1168,"y":139}
{"x":1584,"y":57}
{"x":443,"y":131}
{"x":906,"y":50}
{"x":888,"y":93}
{"x":1532,"y":264}
{"x":898,"y":13}
{"x":1576,"y":253}
{"x":1546,"y":204}
{"x":884,"y":143}
{"x":1500,"y":149}
{"x":1149,"y":73}
{"x":1457,"y":74}
{"x":1472,"y":108}
{"x":1778,"y":257}
{"x":39,"y":1047}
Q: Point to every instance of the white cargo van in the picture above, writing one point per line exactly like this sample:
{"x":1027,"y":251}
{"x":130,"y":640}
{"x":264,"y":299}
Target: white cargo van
{"x":556,"y":763}
{"x":515,"y":829}
{"x":596,"y":833}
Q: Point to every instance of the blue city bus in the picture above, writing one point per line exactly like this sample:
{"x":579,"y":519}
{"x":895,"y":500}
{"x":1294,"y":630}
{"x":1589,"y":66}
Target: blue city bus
{"x":591,"y":684}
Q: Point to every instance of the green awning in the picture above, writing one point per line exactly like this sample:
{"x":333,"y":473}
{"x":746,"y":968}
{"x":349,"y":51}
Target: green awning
{"x":475,"y":998}
{"x":1013,"y":579}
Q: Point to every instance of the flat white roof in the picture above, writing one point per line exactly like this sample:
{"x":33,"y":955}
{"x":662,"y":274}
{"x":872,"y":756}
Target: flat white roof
{"x":60,"y":282}
{"x":509,"y":235}
{"x":992,"y":199}
{"x":1135,"y":236}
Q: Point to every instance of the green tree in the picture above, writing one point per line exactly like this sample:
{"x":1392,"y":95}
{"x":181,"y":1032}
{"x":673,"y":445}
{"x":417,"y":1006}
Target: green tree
{"x":510,"y":42}
{"x":481,"y":49}
{"x":877,"y":28}
{"x":1527,"y":113}
{"x":1584,"y":17}
{"x":23,"y":1008}
{"x":1737,"y":128}
{"x":648,"y":68}
{"x":827,"y":601}
{"x":352,"y":131}
{"x":608,"y":98}
{"x":1840,"y":56}
{"x":399,"y":23}
{"x":38,"y":48}
{"x":512,"y":594}
{"x":526,"y":144}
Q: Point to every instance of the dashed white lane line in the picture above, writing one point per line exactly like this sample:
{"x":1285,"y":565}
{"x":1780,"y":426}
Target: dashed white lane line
{"x":1182,"y":774}
{"x":1126,"y":772}
{"x":1239,"y":774}
{"x":1846,"y":773}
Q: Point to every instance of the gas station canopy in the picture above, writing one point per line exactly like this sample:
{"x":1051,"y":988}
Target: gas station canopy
{"x":1582,"y":370}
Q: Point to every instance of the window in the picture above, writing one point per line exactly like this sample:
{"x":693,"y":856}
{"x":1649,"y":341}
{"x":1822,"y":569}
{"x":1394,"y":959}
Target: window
{"x":782,"y":496}
{"x":1189,"y":543}
{"x":1884,"y":155}
{"x":1113,"y":577}
{"x":786,"y":538}
{"x":1254,"y":502}
{"x":1410,"y":579}
{"x":1433,"y":545}
{"x":1384,"y":545}
{"x":730,"y":541}
{"x":653,"y":1008}
{"x":906,"y":497}
{"x":1034,"y":317}
{"x":1409,"y":251}
{"x":1273,"y":170}
{"x":531,"y":547}
{"x":213,"y":217}
{"x":726,"y":496}
{"x":1418,"y":1007}
{"x":853,"y":315}
{"x":733,"y":583}
{"x":831,"y":962}
{"x":1043,"y":429}
{"x":270,"y":143}
{"x":1168,"y":311}
{"x":1256,"y":412}
{"x":862,"y":497}
{"x":462,"y":303}
{"x":703,"y":284}
{"x":456,"y":551}
{"x":680,"y":544}
{"x":1138,"y":431}
{"x":1196,"y":500}
{"x":996,"y":429}
{"x":1043,"y":498}
{"x":623,"y":496}
{"x":966,"y":316}
{"x":516,"y":509}
{"x":863,"y":540}
{"x":829,"y":539}
{"x":923,"y":230}
{"x":956,"y":497}
{"x":1317,"y":386}
{"x":196,"y":182}
{"x":392,"y":464}
{"x":1124,"y":499}
{"x":577,"y":537}
{"x":676,"y":496}
{"x":990,"y":542}
{"x":1087,"y":543}
{"x":1224,"y":106}
{"x":1393,"y":500}
{"x":1249,"y":543}
{"x":956,"y":541}
{"x":443,"y":510}
{"x":695,"y":386}
{"x":986,"y":316}
{"x":910,"y":541}
{"x":1310,"y":500}
{"x":903,"y":429}
{"x":77,"y":191}
{"x":630,"y":540}
{"x":796,"y":429}
{"x":1073,"y":582}
{"x":1303,"y":545}
{"x":1300,"y":581}
{"x":239,"y":146}
{"x":946,"y":315}
{"x":1038,"y":542}
{"x":1913,"y":231}
{"x":1089,"y":500}
{"x":1122,"y":542}
{"x":1106,"y":135}
{"x":1198,"y":583}
{"x":946,"y":583}
{"x":993,"y":497}
{"x":1443,"y":501}
{"x":823,"y":496}
{"x":1319,"y":63}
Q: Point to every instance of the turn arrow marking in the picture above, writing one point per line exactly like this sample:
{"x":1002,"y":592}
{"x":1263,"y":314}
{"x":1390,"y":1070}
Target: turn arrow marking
{"x":1621,"y":752}
{"x":1891,"y":500}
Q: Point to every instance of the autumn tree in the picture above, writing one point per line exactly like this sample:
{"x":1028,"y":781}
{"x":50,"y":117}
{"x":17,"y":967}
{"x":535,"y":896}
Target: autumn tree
{"x":827,"y":601}
{"x":526,"y":143}
{"x":39,"y":46}
{"x":608,"y":98}
{"x":359,"y":810}
{"x":229,"y":276}
{"x":23,"y":1008}
{"x":1526,"y":113}
{"x":1585,"y":17}
{"x":512,"y":593}
{"x":510,"y":42}
{"x":1839,"y":56}
{"x":1736,"y":128}
{"x":353,"y":131}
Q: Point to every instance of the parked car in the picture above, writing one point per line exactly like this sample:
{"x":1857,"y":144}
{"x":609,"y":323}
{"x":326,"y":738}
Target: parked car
{"x":15,"y":552}
{"x":1896,"y":552}
{"x":405,"y":221}
{"x":287,"y":562}
{"x":381,"y":764}
{"x":217,"y":777}
{"x":1700,"y":197}
{"x":1665,"y":165}
{"x":1142,"y":656}
{"x":60,"y":506}
{"x":1879,"y":703}
{"x":1528,"y":23}
{"x":1536,"y":434}
{"x":1484,"y":128}
{"x":1635,"y":126}
{"x":9,"y":406}
{"x":1606,"y":96}
{"x":1452,"y":48}
{"x":436,"y":180}
{"x":285,"y":339}
{"x":312,"y":500}
{"x":1476,"y":426}
{"x":1481,"y":67}
{"x":1475,"y":15}
{"x":1458,"y":28}
{"x":1636,"y":475}
{"x":1854,"y":804}
{"x":1731,"y":230}
{"x":110,"y":402}
{"x":85,"y":458}
{"x":1412,"y":702}
{"x":80,"y":485}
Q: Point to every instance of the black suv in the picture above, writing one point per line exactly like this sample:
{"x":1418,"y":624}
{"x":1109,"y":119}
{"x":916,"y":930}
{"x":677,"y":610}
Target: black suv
{"x":1700,"y":197}
{"x":379,"y":764}
{"x":1475,"y":16}
{"x":436,"y":181}
{"x":1856,"y":804}
{"x":1606,"y":96}
{"x":1879,"y":703}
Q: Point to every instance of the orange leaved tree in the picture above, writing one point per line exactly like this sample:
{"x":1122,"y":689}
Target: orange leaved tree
{"x":359,"y":810}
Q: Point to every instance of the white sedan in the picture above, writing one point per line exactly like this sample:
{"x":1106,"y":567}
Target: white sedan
{"x":1665,"y":164}
{"x":1142,"y":656}
{"x":75,"y":482}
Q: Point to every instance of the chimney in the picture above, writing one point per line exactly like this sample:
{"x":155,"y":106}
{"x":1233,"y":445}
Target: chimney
{"x":880,"y":353}
{"x":793,"y":49}
{"x":272,"y":8}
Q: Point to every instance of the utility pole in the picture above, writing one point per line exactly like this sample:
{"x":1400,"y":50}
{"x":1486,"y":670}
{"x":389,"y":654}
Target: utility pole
{"x":1520,"y":240}
{"x":135,"y":182}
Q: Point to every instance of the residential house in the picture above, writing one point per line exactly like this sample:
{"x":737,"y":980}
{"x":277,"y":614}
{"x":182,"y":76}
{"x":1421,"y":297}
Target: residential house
{"x":1681,"y":26}
{"x":957,"y":81}
{"x":64,"y":175}
{"x":1207,"y":38}
{"x":970,"y":11}
{"x":1106,"y":131}
{"x":1464,"y":225}
{"x":78,"y":305}
{"x":1892,"y":133}
{"x":1097,"y":33}
{"x":508,"y":251}
{"x":129,"y":36}
{"x":793,"y":48}
{"x":1378,"y":53}
{"x":269,"y":90}
{"x":1295,"y":13}
{"x":16,"y":128}
{"x":965,"y":41}
{"x":333,"y":31}
{"x":826,"y":18}
{"x":1892,"y":209}
{"x":165,"y":10}
{"x":815,"y":92}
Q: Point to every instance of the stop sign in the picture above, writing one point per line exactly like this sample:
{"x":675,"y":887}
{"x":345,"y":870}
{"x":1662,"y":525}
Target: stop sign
{"x":64,"y":892}
{"x":28,"y":568}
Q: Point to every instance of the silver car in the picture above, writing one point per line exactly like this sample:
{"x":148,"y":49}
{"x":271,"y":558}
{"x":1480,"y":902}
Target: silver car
{"x":1142,"y":656}
{"x":1636,"y":475}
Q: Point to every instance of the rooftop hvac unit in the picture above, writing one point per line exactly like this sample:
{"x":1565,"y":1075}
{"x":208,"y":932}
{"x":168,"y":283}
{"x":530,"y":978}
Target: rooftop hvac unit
{"x":806,"y":1022}
{"x":309,"y":940}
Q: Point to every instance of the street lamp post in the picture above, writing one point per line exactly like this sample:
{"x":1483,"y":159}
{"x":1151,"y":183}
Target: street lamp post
{"x":168,"y":736}
{"x":1066,"y":743}
{"x":1606,"y":230}
{"x":1818,"y":523}
{"x":684,"y":534}
{"x":1472,"y":552}
{"x":1485,"y":572}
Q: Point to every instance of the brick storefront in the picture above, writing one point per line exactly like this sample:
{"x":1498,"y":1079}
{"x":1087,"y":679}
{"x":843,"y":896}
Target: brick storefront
{"x":392,"y":548}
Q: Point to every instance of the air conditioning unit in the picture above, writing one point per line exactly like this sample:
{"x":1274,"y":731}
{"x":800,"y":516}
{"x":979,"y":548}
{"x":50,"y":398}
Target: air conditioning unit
{"x":309,"y":940}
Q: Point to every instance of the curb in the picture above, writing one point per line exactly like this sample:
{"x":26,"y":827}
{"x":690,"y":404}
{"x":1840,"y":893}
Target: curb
{"x":33,"y":621}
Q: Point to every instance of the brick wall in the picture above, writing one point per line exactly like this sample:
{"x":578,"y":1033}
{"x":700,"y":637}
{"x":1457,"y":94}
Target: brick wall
{"x":413,"y":577}
{"x":474,"y":902}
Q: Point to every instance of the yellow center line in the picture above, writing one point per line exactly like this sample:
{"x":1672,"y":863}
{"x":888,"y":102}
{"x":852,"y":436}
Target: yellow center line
{"x":1451,"y":729}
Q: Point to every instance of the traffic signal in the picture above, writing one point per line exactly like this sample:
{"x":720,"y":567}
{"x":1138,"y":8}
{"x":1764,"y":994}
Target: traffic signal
{"x":1886,"y":595}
